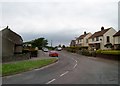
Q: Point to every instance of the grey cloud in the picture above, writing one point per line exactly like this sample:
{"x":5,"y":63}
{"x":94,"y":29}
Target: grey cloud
{"x":59,"y":20}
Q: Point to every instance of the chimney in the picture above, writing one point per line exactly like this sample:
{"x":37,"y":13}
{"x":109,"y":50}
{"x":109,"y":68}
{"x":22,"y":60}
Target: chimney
{"x":102,"y":28}
{"x":7,"y":27}
{"x":85,"y":33}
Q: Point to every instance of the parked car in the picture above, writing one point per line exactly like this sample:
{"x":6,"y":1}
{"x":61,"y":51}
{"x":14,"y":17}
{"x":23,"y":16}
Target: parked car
{"x":45,"y":49}
{"x":53,"y":54}
{"x":59,"y":49}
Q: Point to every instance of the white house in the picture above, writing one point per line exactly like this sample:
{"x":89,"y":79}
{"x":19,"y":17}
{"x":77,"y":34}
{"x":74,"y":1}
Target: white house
{"x":116,"y":39}
{"x":102,"y":39}
{"x":82,"y":40}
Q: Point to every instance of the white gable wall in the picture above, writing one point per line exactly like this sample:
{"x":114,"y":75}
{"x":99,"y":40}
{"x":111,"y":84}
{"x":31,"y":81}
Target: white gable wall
{"x":109,"y":33}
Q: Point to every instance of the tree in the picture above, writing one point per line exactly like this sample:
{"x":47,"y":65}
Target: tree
{"x":63,"y":46}
{"x":59,"y":45}
{"x":39,"y":42}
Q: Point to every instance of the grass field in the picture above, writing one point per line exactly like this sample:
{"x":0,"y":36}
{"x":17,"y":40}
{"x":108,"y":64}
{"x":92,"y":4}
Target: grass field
{"x":22,"y":66}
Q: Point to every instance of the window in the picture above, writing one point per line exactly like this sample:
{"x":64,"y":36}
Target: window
{"x":92,"y":39}
{"x":108,"y":39}
{"x":97,"y":38}
{"x":86,"y":40}
{"x":80,"y":40}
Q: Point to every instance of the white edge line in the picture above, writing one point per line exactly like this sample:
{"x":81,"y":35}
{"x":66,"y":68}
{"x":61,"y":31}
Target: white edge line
{"x":64,"y":73}
{"x":50,"y":81}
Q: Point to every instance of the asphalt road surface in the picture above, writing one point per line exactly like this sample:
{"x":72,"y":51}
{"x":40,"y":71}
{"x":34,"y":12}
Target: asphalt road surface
{"x":70,"y":69}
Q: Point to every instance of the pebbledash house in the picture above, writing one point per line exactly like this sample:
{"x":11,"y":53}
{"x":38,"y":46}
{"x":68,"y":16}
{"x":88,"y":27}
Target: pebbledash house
{"x":11,"y":43}
{"x":102,"y":39}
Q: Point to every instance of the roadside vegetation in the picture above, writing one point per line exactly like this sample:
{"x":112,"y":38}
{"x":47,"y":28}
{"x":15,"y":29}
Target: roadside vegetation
{"x":86,"y":52}
{"x":22,"y":66}
{"x":110,"y":52}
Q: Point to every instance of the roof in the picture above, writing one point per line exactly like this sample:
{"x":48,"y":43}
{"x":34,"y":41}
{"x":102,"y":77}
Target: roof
{"x":117,"y":34}
{"x":82,"y":36}
{"x":99,"y":33}
{"x":12,"y":32}
{"x":9,"y":34}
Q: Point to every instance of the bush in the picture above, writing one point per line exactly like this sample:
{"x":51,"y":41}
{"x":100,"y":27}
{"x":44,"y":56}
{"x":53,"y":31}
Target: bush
{"x":93,"y":53}
{"x":72,"y":49}
{"x":98,"y":51}
{"x":85,"y":52}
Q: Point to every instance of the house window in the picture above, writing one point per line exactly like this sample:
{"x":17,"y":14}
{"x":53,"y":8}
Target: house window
{"x":86,"y":40}
{"x":80,"y":40}
{"x":97,"y":38}
{"x":108,"y":39}
{"x":92,"y":39}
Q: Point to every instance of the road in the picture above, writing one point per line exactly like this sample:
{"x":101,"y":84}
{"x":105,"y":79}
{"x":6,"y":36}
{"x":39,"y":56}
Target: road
{"x":70,"y":69}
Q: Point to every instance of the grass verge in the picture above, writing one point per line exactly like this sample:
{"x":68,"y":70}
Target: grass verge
{"x":18,"y":67}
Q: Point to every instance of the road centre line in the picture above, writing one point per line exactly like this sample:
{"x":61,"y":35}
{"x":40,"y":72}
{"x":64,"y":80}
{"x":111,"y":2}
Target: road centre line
{"x":76,"y":61}
{"x":64,"y":73}
{"x":50,"y":81}
{"x":75,"y":65}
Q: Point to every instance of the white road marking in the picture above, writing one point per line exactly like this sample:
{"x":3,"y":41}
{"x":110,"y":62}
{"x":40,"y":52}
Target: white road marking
{"x":50,"y":81}
{"x":75,"y":65}
{"x":64,"y":73}
{"x":76,"y":61}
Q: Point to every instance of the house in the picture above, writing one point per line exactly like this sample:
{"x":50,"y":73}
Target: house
{"x":72,"y":44}
{"x":11,"y":43}
{"x":0,"y":45}
{"x":82,"y":40}
{"x":116,"y":38}
{"x":102,"y":39}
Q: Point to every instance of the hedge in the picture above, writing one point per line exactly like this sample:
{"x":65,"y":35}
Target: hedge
{"x":111,"y":52}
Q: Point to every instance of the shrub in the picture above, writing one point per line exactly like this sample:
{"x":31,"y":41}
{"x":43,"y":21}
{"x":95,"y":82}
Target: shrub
{"x":98,"y":51}
{"x":85,"y":52}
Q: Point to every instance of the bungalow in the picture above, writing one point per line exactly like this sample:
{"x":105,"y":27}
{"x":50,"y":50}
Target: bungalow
{"x":11,"y":43}
{"x":116,"y":38}
{"x":82,"y":40}
{"x":102,"y":39}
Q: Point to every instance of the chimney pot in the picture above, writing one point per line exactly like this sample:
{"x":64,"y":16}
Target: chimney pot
{"x":102,"y":28}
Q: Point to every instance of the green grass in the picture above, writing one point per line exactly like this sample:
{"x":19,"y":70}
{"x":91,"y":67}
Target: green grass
{"x":18,"y":67}
{"x":0,"y":69}
{"x":111,"y":52}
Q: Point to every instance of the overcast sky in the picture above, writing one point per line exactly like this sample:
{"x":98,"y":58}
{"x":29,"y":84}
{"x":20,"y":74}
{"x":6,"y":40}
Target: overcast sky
{"x":58,"y":20}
